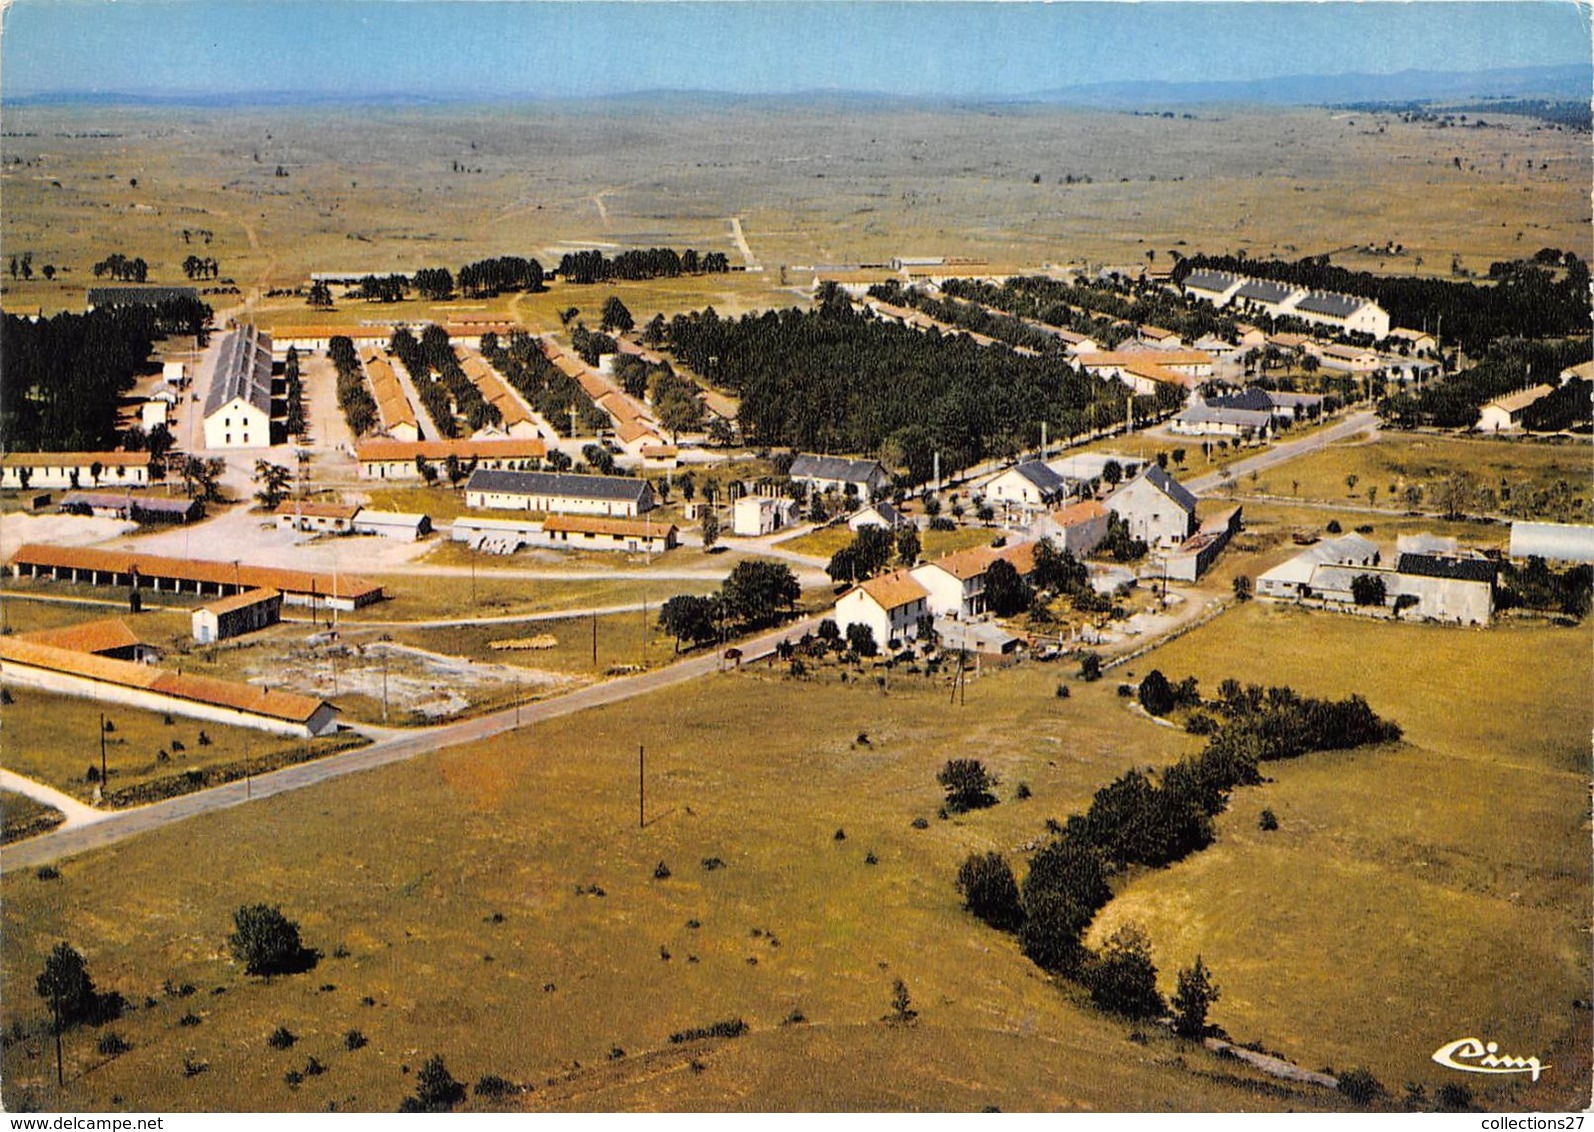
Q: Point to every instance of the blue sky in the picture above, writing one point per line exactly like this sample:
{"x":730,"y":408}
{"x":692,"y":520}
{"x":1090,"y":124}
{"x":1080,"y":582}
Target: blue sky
{"x":467,"y":48}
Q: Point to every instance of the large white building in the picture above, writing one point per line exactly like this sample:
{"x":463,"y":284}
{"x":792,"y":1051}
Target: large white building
{"x":238,"y":405}
{"x":559,"y":493}
{"x":889,"y":605}
{"x":1155,"y":507}
{"x":1345,"y":313}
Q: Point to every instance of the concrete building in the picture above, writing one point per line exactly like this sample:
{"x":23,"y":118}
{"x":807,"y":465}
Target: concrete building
{"x":955,"y":583}
{"x":138,"y":508}
{"x":1077,"y":528}
{"x":1418,"y":342}
{"x":228,"y":617}
{"x":238,"y":404}
{"x":880,"y":514}
{"x":395,"y":415}
{"x":867,"y":478}
{"x":1292,"y":579}
{"x":559,"y":493}
{"x":401,"y":460}
{"x":1197,"y":553}
{"x":889,"y":605}
{"x":74,"y":469}
{"x":1216,"y":287}
{"x":1218,"y":419}
{"x":756,"y":515}
{"x":1155,"y":507}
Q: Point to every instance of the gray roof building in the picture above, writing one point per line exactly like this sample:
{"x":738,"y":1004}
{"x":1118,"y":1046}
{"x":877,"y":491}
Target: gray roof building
{"x":839,"y":468}
{"x":1330,"y":304}
{"x":618,"y":489}
{"x":240,"y":367}
{"x":1555,"y":542}
{"x":1443,"y":566}
{"x":1042,"y":476}
{"x":1215,"y":281}
{"x":1264,"y":291}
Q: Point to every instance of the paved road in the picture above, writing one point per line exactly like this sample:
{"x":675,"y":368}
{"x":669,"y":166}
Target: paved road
{"x":76,"y":812}
{"x":118,"y":826}
{"x":1367,"y":420}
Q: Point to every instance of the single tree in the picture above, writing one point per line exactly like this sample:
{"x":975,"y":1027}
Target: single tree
{"x":908,"y":546}
{"x":273,"y":480}
{"x":711,"y":528}
{"x":1123,"y":978}
{"x":436,"y":1090}
{"x":1194,"y":996}
{"x":1242,"y":588}
{"x":1006,"y":594}
{"x":989,"y":890}
{"x":66,"y":985}
{"x":968,"y":785}
{"x":1156,"y":694}
{"x":615,"y":316}
{"x":267,"y":943}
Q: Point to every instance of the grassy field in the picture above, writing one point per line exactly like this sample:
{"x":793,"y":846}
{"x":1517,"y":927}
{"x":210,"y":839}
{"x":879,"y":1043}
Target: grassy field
{"x":933,"y":544}
{"x":1357,"y":934}
{"x":25,"y":817}
{"x":812,"y":183}
{"x":416,"y":957}
{"x":55,"y":739}
{"x":1393,"y":461}
{"x":681,"y":558}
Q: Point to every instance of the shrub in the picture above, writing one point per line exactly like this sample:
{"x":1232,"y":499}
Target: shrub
{"x":841,"y":835}
{"x":729,"y":1028}
{"x":1333,"y":527}
{"x":1200,"y":723}
{"x":267,"y":943}
{"x":661,"y":871}
{"x":967,"y":784}
{"x":921,"y":823}
{"x":493,"y":1087}
{"x":293,"y":1078}
{"x":712,"y":863}
{"x":313,"y":1068}
{"x":1268,"y":821}
{"x":48,"y":872}
{"x":113,"y":1045}
{"x":1360,"y":1086}
{"x":870,"y":859}
{"x":1156,"y":694}
{"x":354,"y":1040}
{"x":1123,"y":978}
{"x":1065,"y":886}
{"x":1022,"y":792}
{"x":1090,"y":667}
{"x":989,"y":890}
{"x":436,"y":1090}
{"x":188,"y":1019}
{"x":282,"y":1038}
{"x":1062,"y":692}
{"x":1453,"y":1097}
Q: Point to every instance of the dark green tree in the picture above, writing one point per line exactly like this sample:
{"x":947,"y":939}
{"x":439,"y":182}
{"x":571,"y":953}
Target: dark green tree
{"x":989,"y":890}
{"x":968,"y":785}
{"x":1192,"y":999}
{"x":267,"y":943}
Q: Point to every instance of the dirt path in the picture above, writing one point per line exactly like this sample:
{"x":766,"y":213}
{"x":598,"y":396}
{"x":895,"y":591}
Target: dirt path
{"x":77,"y":814}
{"x":741,"y":243}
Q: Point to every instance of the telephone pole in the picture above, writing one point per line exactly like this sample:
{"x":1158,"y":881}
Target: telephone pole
{"x":641,"y":786}
{"x":103,"y":783}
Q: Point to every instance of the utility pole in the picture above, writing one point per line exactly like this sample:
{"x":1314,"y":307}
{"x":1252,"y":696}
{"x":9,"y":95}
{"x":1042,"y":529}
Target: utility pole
{"x":594,"y":638}
{"x":103,"y":783}
{"x":384,"y":685}
{"x":641,"y":786}
{"x":55,"y":1009}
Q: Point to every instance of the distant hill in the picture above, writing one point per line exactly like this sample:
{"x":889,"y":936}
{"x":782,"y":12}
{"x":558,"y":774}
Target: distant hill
{"x":1564,"y":82}
{"x":1571,"y":81}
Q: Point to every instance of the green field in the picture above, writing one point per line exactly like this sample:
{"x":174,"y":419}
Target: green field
{"x":1355,"y":934}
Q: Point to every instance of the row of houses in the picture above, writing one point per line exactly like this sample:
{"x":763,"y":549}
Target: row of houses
{"x":1506,"y":414}
{"x":395,"y":414}
{"x":23,"y":470}
{"x":953,"y":586}
{"x":1247,"y":414}
{"x":386,"y":459}
{"x":1344,"y":313}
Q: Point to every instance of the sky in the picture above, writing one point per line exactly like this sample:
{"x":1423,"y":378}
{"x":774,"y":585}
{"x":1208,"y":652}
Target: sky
{"x":572,"y":48}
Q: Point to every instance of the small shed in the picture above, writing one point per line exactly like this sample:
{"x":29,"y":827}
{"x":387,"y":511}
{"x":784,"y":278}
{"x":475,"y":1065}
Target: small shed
{"x":405,"y":525}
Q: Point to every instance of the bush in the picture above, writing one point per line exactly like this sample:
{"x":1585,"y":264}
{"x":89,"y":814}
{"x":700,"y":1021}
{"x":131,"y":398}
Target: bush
{"x":282,"y":1038}
{"x":989,"y":890}
{"x":1268,"y":821}
{"x":1200,"y":723}
{"x":48,"y":872}
{"x":1022,"y":792}
{"x":493,"y":1087}
{"x":1333,"y":527}
{"x":1156,"y":694}
{"x":354,"y":1040}
{"x":1090,"y":667}
{"x":967,"y":784}
{"x":113,"y":1045}
{"x":1062,"y":692}
{"x":267,"y":943}
{"x":1123,"y":978}
{"x":661,"y":871}
{"x":1453,"y":1097}
{"x":1360,"y":1086}
{"x":435,"y":1088}
{"x":729,"y":1028}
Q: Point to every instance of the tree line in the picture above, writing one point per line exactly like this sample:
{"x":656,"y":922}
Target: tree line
{"x":1526,"y":302}
{"x":1105,"y":314}
{"x":834,"y":380}
{"x":550,"y":392}
{"x":652,"y":263}
{"x":354,"y":396}
{"x":1506,"y":367}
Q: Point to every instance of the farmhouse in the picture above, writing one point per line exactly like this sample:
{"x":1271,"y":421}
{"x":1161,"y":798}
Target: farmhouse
{"x":1077,"y":528}
{"x":32,"y":665}
{"x":238,"y":406}
{"x":1198,"y":552}
{"x":866,"y":478}
{"x":333,"y":518}
{"x":1504,"y":414}
{"x":1028,"y":487}
{"x":234,"y":616}
{"x":74,"y":469}
{"x":889,"y":605}
{"x":594,"y":532}
{"x":91,"y":566}
{"x":401,"y":460}
{"x":1292,"y":579}
{"x":1155,"y":507}
{"x":755,"y":515}
{"x":558,"y":492}
{"x":403,"y":525}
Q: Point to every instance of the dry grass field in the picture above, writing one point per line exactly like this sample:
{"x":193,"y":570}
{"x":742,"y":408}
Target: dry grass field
{"x":24,"y":817}
{"x":1412,"y":895}
{"x":373,"y":189}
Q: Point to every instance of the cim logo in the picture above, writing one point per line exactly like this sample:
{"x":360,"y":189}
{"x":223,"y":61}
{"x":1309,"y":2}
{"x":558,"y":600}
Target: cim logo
{"x":1473,"y":1055}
